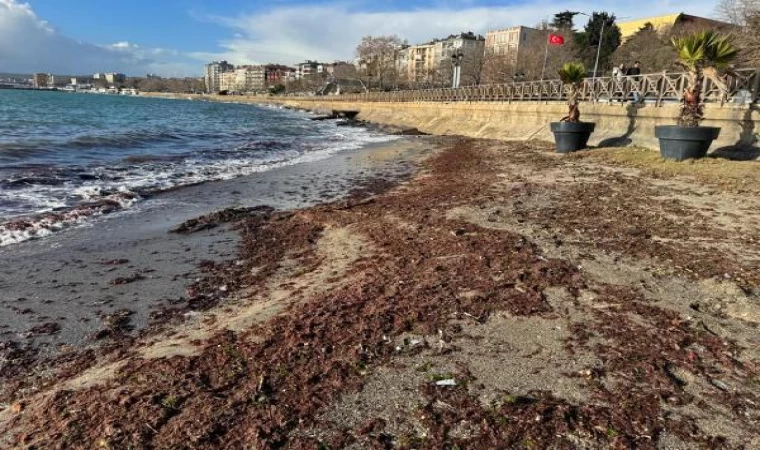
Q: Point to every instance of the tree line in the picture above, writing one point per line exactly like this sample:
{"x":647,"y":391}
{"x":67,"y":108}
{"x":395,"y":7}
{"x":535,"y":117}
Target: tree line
{"x":380,"y":57}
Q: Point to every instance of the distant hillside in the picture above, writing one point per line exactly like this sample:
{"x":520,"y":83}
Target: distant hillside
{"x":15,"y":75}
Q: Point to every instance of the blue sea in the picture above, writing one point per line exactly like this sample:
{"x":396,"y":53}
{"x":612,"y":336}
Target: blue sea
{"x":65,"y":157}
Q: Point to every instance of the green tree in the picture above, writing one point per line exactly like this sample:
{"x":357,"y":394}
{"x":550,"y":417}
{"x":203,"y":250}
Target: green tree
{"x":703,"y":54}
{"x":563,"y":20}
{"x":588,"y":40}
{"x":572,"y":75}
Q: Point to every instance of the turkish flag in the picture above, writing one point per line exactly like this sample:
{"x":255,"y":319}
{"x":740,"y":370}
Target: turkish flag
{"x":556,"y":39}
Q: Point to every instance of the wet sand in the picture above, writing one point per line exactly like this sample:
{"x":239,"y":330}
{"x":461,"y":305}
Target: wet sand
{"x":60,"y":291}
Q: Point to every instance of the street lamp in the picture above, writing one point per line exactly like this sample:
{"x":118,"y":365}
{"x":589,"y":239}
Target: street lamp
{"x":601,"y":38}
{"x":456,"y":63}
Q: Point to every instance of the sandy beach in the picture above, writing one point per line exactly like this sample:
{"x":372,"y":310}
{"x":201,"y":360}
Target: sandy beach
{"x":504,"y":296}
{"x":91,"y":286}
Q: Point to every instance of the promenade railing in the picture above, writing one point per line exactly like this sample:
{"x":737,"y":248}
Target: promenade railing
{"x":658,"y":88}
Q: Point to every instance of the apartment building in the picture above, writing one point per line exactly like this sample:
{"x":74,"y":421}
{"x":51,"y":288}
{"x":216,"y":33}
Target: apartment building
{"x":422,"y":61}
{"x":509,"y":41}
{"x":43,"y":80}
{"x":309,"y":68}
{"x":426,"y":61}
{"x":250,"y":79}
{"x":113,"y":78}
{"x":227,"y":81}
{"x":110,"y":77}
{"x":279,"y":74}
{"x":212,"y":75}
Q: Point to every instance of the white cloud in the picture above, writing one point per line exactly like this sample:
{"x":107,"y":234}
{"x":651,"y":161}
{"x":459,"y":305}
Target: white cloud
{"x":285,"y":33}
{"x":326,"y":32}
{"x":30,"y":44}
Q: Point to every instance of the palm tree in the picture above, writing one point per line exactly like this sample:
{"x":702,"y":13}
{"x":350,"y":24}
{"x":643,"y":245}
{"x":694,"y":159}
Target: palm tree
{"x":702,"y":54}
{"x":572,"y":75}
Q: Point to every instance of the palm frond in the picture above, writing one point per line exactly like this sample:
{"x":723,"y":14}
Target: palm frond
{"x":703,"y":54}
{"x":572,"y":73}
{"x":706,"y":49}
{"x":721,"y":52}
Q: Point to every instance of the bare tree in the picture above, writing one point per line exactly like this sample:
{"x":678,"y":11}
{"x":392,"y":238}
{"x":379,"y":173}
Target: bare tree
{"x":745,"y":14}
{"x":473,"y":69}
{"x":184,"y":85}
{"x":377,"y":59}
{"x":737,"y":12}
{"x":498,"y":67}
{"x":347,"y":76}
{"x":649,"y":46}
{"x":537,"y":57}
{"x":749,"y":40}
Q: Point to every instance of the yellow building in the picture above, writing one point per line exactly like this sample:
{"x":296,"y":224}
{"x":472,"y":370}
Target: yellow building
{"x":423,"y":61}
{"x":667,"y":23}
{"x":228,"y":81}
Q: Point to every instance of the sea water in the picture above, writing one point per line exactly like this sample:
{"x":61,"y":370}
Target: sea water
{"x":66,"y":158}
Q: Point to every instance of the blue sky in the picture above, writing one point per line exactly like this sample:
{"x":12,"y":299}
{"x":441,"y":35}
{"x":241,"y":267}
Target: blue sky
{"x":180,"y":24}
{"x":152,"y":23}
{"x":176,"y":37}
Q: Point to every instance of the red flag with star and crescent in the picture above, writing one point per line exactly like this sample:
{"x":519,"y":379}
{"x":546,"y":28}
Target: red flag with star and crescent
{"x":556,"y":39}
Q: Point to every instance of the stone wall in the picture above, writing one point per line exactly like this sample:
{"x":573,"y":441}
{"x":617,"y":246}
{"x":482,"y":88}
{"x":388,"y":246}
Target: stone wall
{"x":616,"y":124}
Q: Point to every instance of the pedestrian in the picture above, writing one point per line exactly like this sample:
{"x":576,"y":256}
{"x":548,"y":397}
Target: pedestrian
{"x":618,"y":77}
{"x":619,"y":72}
{"x":634,"y":74}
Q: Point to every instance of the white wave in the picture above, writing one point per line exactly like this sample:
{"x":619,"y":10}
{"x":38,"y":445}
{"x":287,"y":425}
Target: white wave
{"x":20,"y":230}
{"x":151,"y":178}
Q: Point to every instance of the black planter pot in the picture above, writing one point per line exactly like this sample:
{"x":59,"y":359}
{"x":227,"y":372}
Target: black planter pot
{"x":681,"y":143}
{"x":571,"y":136}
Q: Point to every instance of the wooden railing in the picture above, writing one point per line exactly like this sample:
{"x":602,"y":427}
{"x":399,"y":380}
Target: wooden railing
{"x":658,"y":88}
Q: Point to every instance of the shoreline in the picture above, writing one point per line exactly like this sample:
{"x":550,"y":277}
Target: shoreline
{"x":104,"y":188}
{"x":90,"y":287}
{"x":503,"y":285}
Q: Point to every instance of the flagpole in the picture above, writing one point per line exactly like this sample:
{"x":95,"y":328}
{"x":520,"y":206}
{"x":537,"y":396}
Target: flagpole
{"x":546,"y":55}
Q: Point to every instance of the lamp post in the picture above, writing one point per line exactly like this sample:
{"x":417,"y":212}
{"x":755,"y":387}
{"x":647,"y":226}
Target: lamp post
{"x":601,"y":39}
{"x":456,"y":63}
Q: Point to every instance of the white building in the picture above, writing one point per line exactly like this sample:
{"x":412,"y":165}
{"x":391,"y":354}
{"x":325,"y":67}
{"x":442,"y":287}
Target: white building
{"x":113,"y":77}
{"x":110,"y":77}
{"x":430,"y":60}
{"x":212,"y":75}
{"x":309,"y":68}
{"x":250,"y":78}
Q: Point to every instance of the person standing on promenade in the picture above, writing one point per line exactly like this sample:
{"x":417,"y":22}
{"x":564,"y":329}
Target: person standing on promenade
{"x":634,"y":74}
{"x":618,"y":77}
{"x":619,"y":72}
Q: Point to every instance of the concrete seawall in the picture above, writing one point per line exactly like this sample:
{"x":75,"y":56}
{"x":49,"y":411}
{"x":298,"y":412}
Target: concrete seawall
{"x":616,"y":124}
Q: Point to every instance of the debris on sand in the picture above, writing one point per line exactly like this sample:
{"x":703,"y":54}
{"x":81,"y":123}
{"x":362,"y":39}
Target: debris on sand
{"x":433,"y":273}
{"x":126,"y":280}
{"x":217,"y":218}
{"x":114,"y":262}
{"x":45,"y":329}
{"x":117,"y":324}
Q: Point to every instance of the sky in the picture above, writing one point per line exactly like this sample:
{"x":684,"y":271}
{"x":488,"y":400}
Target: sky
{"x":177,"y":37}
